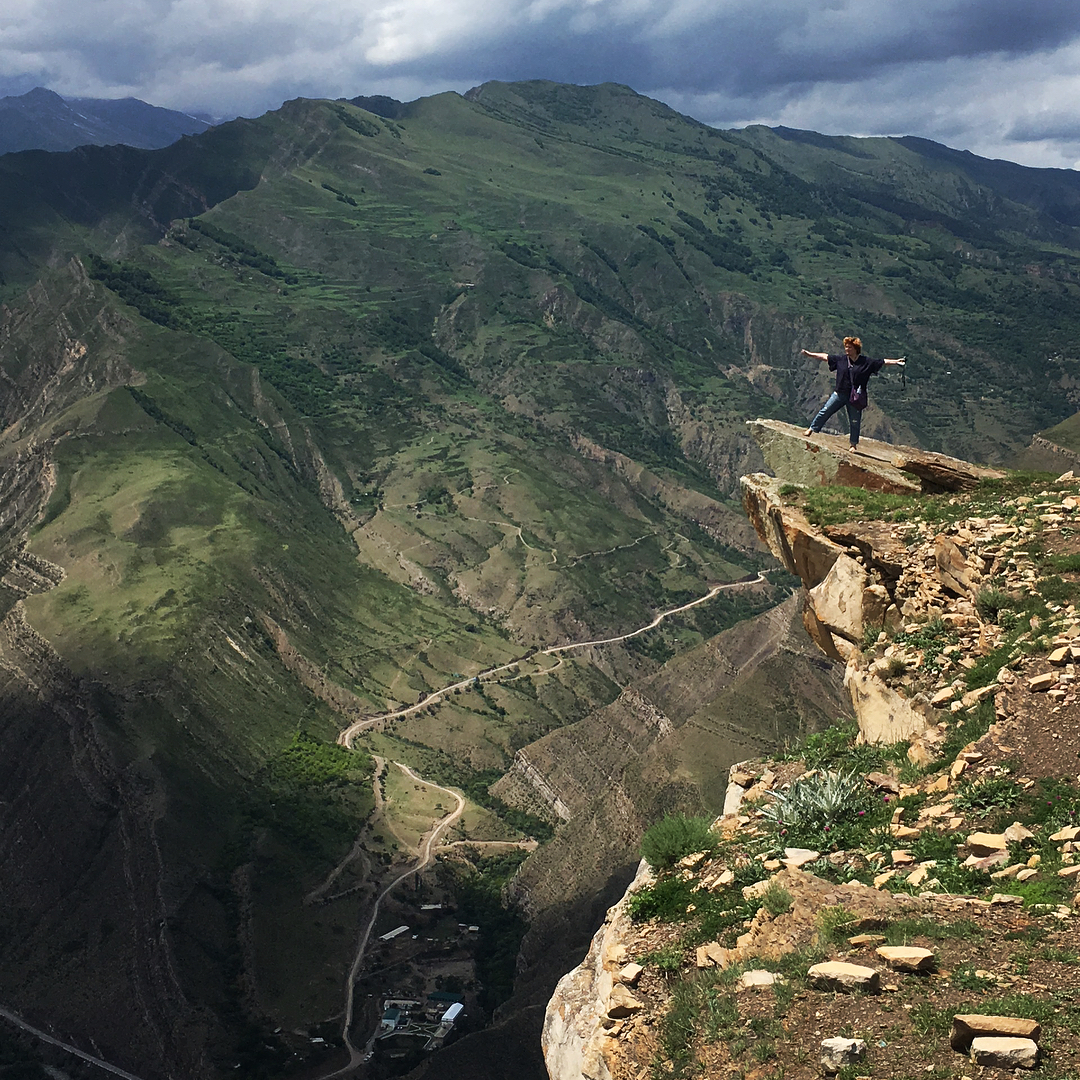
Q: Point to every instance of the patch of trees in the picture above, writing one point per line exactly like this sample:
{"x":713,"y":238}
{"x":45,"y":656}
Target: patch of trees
{"x":245,"y":253}
{"x":139,"y":288}
{"x":356,"y":123}
{"x":341,"y":196}
{"x":152,"y":409}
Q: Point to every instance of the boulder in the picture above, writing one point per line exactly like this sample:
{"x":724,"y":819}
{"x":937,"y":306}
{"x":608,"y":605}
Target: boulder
{"x":860,"y":940}
{"x":884,"y":716}
{"x":969,"y":1026}
{"x":838,"y":1052}
{"x":630,"y":974}
{"x":906,"y":957}
{"x":878,"y":543}
{"x":799,"y":857}
{"x":1018,"y":834}
{"x":714,"y":954}
{"x":838,"y":599}
{"x":820,"y":634}
{"x":1004,"y":1053}
{"x":838,"y":975}
{"x":622,"y":1003}
{"x":757,"y":890}
{"x":953,"y":568}
{"x":883,"y":782}
{"x":875,"y":606}
{"x":983,"y":844}
{"x":1070,"y":832}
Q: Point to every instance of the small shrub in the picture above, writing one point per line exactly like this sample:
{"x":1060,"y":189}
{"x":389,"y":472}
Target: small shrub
{"x":834,"y":924}
{"x":1052,"y":890}
{"x":1056,"y":590}
{"x":676,"y":836}
{"x":996,"y":792}
{"x":668,"y":959}
{"x":957,"y":878}
{"x":777,"y":900}
{"x":927,"y":1020}
{"x":989,"y":602}
{"x":964,"y":978}
{"x":936,"y":845}
{"x":904,"y":931}
{"x":665,"y":900}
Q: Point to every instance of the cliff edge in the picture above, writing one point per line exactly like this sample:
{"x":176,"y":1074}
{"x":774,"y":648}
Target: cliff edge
{"x":933,"y":847}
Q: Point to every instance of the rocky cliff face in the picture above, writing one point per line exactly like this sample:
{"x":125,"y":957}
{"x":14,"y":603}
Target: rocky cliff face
{"x":929,"y":608}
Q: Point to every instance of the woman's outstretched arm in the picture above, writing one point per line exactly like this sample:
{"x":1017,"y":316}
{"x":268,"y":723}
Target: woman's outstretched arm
{"x":816,"y":355}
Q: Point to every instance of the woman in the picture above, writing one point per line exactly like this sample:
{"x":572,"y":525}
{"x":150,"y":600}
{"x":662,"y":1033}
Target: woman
{"x":853,"y":371}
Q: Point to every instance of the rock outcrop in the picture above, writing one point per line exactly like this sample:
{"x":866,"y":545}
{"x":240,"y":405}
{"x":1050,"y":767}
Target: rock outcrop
{"x":817,"y":460}
{"x":866,"y":577}
{"x":911,"y":607}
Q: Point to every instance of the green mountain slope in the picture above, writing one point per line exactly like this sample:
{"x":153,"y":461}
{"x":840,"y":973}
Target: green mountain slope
{"x":310,"y":416}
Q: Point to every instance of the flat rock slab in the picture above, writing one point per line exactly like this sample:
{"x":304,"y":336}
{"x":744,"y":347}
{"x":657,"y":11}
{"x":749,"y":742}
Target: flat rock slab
{"x":982,"y":844}
{"x":906,"y":957}
{"x":837,"y":975}
{"x":1004,"y":1053}
{"x":866,"y":939}
{"x":838,"y":1052}
{"x":823,"y":460}
{"x":799,"y":857}
{"x":758,"y":980}
{"x":879,"y":466}
{"x":969,"y":1026}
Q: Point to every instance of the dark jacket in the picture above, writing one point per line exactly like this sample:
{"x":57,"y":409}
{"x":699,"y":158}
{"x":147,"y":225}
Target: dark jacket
{"x":860,"y":369}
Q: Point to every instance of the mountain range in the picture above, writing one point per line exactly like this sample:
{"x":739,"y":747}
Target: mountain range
{"x":307,"y":418}
{"x":43,"y":120}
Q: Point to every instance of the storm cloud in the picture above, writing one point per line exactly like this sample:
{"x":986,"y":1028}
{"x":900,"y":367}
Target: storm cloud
{"x":996,"y":77}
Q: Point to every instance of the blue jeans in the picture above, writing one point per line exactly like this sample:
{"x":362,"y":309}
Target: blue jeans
{"x":835,"y":403}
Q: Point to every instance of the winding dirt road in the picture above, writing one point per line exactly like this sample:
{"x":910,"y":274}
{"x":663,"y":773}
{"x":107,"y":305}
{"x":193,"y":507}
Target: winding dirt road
{"x":348,"y":736}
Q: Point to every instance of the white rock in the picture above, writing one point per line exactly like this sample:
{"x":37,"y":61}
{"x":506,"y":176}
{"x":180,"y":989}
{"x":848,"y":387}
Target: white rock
{"x":1004,"y":1053}
{"x":758,"y":979}
{"x":799,"y":857}
{"x":837,"y":975}
{"x":838,"y":1052}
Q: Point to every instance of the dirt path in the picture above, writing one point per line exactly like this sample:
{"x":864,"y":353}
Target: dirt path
{"x":425,"y":854}
{"x":17,"y":1020}
{"x":348,"y":736}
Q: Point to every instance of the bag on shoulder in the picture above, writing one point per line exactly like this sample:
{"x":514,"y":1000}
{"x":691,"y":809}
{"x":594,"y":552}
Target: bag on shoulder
{"x":858,"y":398}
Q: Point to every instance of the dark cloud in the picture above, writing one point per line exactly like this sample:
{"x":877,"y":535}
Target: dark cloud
{"x":990,"y":75}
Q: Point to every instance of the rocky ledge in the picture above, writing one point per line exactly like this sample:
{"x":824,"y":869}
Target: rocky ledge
{"x":948,"y":884}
